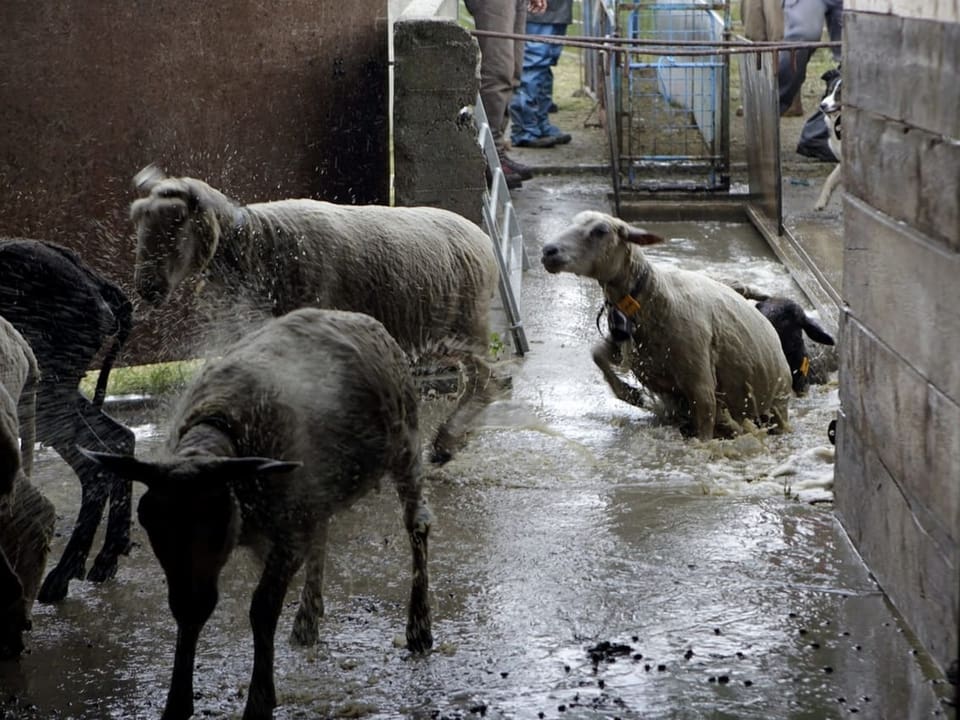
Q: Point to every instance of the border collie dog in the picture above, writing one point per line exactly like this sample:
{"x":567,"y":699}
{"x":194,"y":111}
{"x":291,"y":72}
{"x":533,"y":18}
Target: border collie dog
{"x":830,"y":107}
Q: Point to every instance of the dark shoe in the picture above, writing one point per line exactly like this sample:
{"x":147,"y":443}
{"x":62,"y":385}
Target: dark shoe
{"x":553,"y":108}
{"x":561,"y":138}
{"x":513,"y":179}
{"x":540,"y":142}
{"x":524,"y":171}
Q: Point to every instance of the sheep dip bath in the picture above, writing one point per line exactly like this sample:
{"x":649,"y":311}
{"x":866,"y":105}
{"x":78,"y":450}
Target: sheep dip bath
{"x":583,"y":555}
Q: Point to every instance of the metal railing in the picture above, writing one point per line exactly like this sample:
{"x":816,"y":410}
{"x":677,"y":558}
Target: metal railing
{"x":503,"y":227}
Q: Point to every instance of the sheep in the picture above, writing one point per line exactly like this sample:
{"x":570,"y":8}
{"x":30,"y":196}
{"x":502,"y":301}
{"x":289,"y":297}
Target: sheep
{"x":700,"y":347}
{"x":296,"y":421}
{"x":26,"y":516}
{"x":67,"y":312}
{"x":427,"y":274}
{"x":790,"y":321}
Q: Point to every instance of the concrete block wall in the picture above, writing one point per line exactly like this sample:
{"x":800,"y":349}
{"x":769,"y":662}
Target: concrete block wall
{"x":437,"y":160}
{"x":898,"y":448}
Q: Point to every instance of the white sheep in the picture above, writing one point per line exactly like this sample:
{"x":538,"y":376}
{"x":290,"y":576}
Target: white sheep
{"x":26,"y":516}
{"x":427,"y":274}
{"x":704,"y":350}
{"x":296,"y":421}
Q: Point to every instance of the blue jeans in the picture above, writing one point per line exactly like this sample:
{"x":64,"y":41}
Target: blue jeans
{"x":529,"y":108}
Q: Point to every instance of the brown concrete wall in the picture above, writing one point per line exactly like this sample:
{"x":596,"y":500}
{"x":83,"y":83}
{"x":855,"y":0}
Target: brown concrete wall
{"x":263,"y":99}
{"x":898,"y":450}
{"x":437,"y":160}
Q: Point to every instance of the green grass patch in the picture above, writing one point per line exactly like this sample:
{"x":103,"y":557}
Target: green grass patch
{"x":156,"y":379}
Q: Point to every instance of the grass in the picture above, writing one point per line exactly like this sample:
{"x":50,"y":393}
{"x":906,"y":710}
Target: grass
{"x":157,"y":379}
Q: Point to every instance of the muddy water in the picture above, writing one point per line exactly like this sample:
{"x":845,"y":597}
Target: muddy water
{"x":586,"y":562}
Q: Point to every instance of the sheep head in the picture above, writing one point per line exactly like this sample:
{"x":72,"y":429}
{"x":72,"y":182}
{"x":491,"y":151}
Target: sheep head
{"x":192,"y":518}
{"x":595,"y":245}
{"x":177,"y":232}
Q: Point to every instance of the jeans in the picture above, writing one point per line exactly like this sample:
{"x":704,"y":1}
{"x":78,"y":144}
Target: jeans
{"x":529,"y":109}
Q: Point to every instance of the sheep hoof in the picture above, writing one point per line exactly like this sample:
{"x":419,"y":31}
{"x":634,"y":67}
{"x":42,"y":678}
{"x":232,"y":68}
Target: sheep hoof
{"x":54,"y":588}
{"x":305,"y":631}
{"x":103,"y":569}
{"x":419,"y":640}
{"x":440,"y":457}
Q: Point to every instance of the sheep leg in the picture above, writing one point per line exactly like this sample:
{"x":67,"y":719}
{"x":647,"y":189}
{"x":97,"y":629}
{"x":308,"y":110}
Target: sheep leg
{"x":180,"y":698}
{"x":305,"y":627}
{"x":279,"y":569}
{"x":13,"y":610}
{"x":93,"y":499}
{"x":477,"y":395}
{"x":604,"y":353}
{"x":417,"y":520}
{"x":120,"y":439}
{"x":703,"y":407}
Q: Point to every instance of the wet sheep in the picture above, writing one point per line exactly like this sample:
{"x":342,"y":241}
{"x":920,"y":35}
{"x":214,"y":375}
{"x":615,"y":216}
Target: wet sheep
{"x":427,"y":274}
{"x":26,"y":516}
{"x":68,"y":312}
{"x":791,"y":321}
{"x":296,"y":421}
{"x":701,"y":348}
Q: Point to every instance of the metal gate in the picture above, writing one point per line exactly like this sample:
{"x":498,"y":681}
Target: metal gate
{"x":672,"y":129}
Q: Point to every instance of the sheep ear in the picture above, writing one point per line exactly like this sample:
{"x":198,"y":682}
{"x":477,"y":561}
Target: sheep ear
{"x":127,"y":466}
{"x":241,"y":471}
{"x":816,"y":332}
{"x":259,"y":465}
{"x":148,"y":177}
{"x":639,"y":236}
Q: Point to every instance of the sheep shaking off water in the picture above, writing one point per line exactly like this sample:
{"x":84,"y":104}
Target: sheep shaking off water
{"x":26,"y":516}
{"x":427,"y":274}
{"x":67,"y":312}
{"x":701,"y":347}
{"x":295,"y":422}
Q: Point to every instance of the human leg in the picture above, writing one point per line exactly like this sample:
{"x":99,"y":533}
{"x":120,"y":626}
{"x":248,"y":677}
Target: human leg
{"x":803,"y":21}
{"x":525,"y":105}
{"x":497,"y":61}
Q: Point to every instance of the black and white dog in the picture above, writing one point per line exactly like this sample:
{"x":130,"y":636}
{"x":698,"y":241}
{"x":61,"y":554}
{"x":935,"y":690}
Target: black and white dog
{"x":830,"y":107}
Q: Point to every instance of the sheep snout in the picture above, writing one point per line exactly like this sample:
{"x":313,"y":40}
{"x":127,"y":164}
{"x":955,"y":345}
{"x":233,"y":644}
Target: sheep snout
{"x":552,"y":259}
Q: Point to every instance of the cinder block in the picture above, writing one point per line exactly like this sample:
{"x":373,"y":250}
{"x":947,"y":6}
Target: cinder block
{"x":437,"y":160}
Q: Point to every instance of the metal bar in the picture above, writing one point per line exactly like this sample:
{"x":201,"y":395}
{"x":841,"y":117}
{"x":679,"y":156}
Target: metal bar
{"x":506,"y":236}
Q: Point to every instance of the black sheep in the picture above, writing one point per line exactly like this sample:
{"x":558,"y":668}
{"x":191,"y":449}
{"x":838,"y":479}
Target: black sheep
{"x":66,"y":312}
{"x":790,"y":321}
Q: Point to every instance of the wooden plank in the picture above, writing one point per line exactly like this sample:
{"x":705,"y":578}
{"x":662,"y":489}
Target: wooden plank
{"x":939,"y":10}
{"x":909,"y":174}
{"x":904,"y":288}
{"x":905,"y":70}
{"x":920,"y":578}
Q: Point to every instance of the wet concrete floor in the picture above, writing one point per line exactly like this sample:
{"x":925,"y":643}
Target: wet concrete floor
{"x":586,"y":561}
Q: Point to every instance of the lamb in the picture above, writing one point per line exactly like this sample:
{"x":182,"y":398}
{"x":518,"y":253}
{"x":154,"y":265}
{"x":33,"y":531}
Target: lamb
{"x":427,"y":274}
{"x":702,"y":348}
{"x":296,"y":421}
{"x":790,"y":321}
{"x":26,"y":516}
{"x":67,"y":312}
